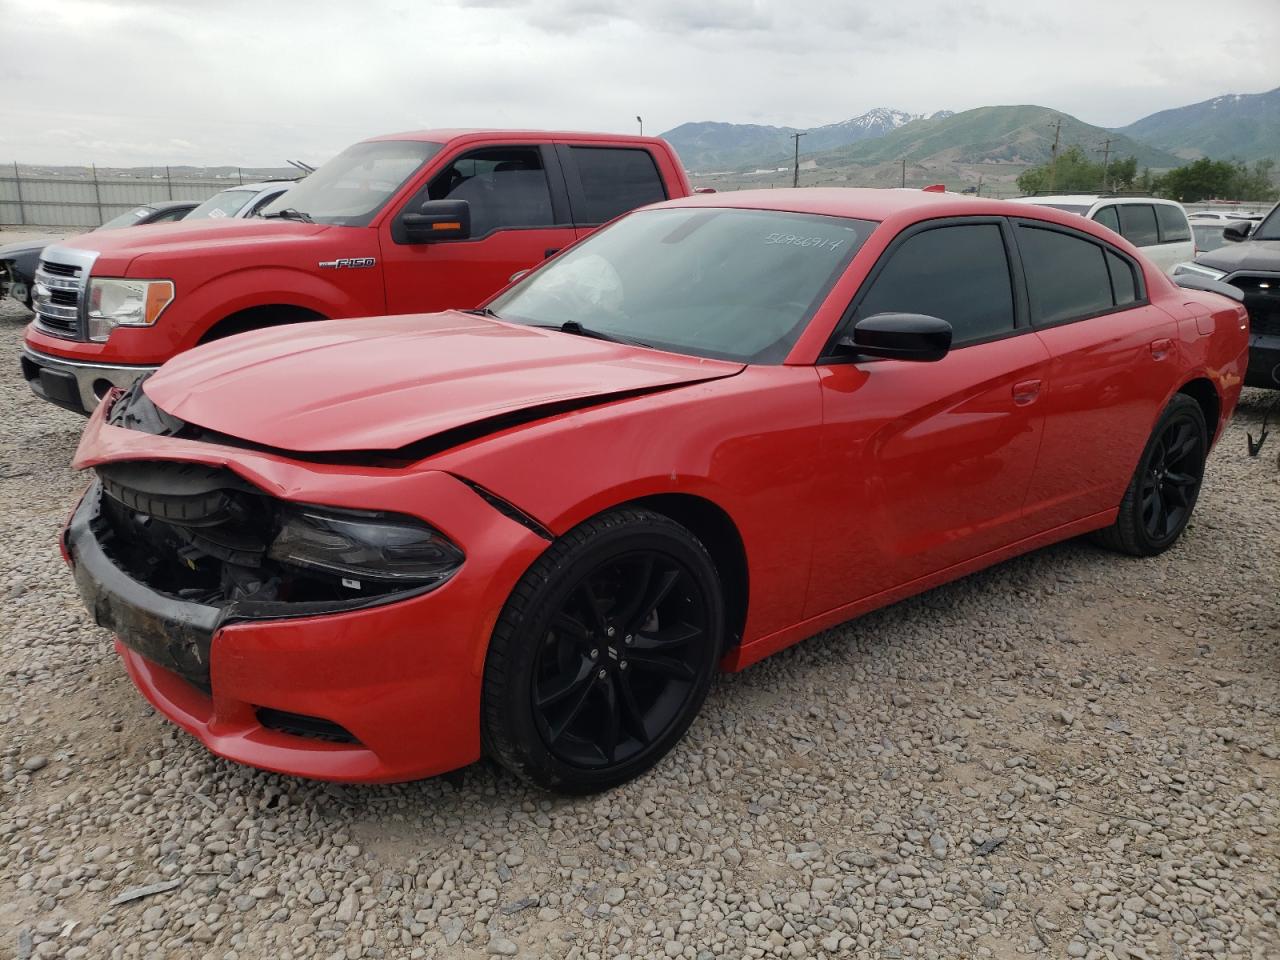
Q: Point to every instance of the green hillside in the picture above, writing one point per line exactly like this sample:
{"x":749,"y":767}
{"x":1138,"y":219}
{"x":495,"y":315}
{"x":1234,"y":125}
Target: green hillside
{"x":1233,"y":127}
{"x":1007,"y":134}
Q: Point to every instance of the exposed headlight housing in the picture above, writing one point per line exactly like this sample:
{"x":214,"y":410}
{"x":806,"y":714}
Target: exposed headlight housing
{"x":115,"y":302}
{"x":1199,"y":270}
{"x":391,"y":550}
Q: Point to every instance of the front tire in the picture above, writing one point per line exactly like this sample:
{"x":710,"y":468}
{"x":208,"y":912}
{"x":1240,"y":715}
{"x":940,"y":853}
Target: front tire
{"x":1166,"y":485}
{"x":603,"y":653}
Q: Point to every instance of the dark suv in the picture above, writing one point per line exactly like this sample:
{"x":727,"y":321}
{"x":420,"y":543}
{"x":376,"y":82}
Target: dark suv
{"x":1252,"y":263}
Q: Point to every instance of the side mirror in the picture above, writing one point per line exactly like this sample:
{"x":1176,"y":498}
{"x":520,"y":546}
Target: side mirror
{"x":899,"y":336}
{"x":1238,"y":231}
{"x":438,"y":220}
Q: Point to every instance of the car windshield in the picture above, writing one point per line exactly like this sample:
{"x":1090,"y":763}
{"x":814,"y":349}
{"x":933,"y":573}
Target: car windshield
{"x":225,"y":204}
{"x":126,"y":219}
{"x":723,"y":283}
{"x":355,"y":184}
{"x":1269,"y":229}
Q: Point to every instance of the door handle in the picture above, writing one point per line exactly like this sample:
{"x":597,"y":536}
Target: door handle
{"x":1160,"y":348}
{"x":1026,"y":392}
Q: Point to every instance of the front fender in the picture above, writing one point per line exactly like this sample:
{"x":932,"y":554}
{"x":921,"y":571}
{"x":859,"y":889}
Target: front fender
{"x":216,"y":299}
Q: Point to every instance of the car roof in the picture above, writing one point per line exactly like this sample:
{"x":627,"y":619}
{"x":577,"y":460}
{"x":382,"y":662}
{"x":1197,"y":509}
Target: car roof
{"x":1094,"y":198}
{"x":866,"y":203}
{"x":448,"y":135}
{"x":169,"y":204}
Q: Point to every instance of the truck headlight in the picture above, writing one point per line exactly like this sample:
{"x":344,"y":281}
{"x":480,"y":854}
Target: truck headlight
{"x":1199,"y":270}
{"x":125,"y":303}
{"x":390,"y":550}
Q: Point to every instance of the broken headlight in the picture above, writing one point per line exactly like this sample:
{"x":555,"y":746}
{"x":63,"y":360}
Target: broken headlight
{"x":355,"y":547}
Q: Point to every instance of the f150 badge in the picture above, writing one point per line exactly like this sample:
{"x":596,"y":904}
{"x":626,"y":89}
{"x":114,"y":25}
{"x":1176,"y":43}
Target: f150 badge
{"x":349,"y":263}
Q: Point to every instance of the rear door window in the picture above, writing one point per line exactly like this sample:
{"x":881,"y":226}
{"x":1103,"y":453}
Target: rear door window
{"x":614,"y":180}
{"x":1173,"y":224}
{"x":1107,"y":217}
{"x":1138,"y":224}
{"x":959,"y":273}
{"x":1067,"y":276}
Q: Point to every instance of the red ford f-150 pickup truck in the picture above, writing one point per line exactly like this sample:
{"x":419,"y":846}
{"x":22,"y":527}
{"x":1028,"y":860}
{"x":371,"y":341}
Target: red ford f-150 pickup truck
{"x":406,"y":223}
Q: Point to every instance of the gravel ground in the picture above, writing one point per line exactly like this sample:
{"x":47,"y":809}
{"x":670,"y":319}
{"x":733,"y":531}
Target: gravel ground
{"x":1073,"y":754}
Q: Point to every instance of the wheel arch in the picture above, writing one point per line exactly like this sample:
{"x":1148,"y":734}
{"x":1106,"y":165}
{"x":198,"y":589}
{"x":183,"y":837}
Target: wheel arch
{"x":711,"y":524}
{"x":1203,"y":392}
{"x":258,"y":317}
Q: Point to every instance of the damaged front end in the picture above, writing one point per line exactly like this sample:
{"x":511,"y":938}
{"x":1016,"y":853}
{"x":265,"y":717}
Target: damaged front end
{"x":165,"y":553}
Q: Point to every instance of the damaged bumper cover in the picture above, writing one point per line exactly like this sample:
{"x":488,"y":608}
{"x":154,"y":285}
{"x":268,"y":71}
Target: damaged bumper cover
{"x":397,"y":681}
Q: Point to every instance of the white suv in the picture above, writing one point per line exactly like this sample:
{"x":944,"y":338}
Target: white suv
{"x":1158,"y":227}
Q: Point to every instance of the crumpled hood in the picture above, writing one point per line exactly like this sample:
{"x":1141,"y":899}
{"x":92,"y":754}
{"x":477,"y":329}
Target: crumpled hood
{"x":1249,"y":255}
{"x":386,"y":382}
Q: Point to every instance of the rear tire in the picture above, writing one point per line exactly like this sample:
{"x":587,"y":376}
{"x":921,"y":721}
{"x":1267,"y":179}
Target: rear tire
{"x":1164,"y":489}
{"x":603,"y":653}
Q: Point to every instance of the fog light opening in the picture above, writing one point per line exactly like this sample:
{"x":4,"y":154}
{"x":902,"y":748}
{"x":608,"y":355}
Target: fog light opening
{"x":101,"y":388}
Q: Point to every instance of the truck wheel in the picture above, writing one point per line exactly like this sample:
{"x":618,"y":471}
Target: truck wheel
{"x":603,"y":654}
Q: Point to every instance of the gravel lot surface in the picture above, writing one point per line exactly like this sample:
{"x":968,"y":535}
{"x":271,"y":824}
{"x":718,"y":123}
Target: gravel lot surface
{"x":1073,"y":754}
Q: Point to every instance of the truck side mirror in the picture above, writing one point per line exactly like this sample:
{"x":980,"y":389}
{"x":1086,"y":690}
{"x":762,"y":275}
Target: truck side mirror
{"x":438,"y":220}
{"x":1237,"y":231}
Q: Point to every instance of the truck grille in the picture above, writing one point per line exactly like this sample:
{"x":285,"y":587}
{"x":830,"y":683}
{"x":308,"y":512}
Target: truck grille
{"x":1262,"y":300}
{"x":56,"y":299}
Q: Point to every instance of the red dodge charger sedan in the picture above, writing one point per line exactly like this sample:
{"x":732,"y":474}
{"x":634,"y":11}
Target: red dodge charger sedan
{"x":372,"y":550}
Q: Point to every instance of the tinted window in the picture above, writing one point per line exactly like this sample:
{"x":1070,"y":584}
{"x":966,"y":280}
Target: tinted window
{"x":1067,"y":276}
{"x":169,"y":216}
{"x":1107,"y":217}
{"x":1124,"y":289}
{"x":736,"y":284}
{"x":615,"y":181}
{"x":1173,"y":224}
{"x":1138,"y":224}
{"x":505,"y":187}
{"x":959,"y":273}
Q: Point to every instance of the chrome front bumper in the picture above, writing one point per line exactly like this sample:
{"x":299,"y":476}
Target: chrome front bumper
{"x":75,"y":384}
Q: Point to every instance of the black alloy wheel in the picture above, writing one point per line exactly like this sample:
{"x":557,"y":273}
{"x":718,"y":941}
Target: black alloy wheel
{"x":620,"y":660}
{"x":1162,"y":494}
{"x":604,"y":653}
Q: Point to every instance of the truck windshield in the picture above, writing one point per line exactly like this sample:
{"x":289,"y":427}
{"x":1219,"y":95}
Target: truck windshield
{"x":723,"y":283}
{"x":352,"y":187}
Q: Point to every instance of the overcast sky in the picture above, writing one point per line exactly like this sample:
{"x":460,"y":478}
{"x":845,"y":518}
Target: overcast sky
{"x":254,"y":83}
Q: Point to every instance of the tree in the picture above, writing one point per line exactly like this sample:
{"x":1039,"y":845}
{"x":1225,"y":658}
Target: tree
{"x":1073,"y":171}
{"x":1207,"y":179}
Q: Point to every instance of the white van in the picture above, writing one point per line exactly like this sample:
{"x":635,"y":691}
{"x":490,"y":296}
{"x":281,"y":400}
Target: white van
{"x":1158,"y":227}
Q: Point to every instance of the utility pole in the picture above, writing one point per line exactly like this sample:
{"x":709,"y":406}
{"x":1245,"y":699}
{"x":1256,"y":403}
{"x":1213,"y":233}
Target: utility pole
{"x":1053,"y":164}
{"x":904,"y":171}
{"x":795,"y":170}
{"x":1106,"y":157}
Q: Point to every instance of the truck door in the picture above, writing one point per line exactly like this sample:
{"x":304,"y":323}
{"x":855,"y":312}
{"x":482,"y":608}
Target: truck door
{"x":519,"y":213}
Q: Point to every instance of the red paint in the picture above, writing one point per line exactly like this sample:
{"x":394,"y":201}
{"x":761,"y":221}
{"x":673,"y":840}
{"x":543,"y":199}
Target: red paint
{"x":221,"y":267}
{"x":851,"y":485}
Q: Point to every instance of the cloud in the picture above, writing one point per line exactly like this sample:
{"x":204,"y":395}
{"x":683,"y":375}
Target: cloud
{"x":176,"y":81}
